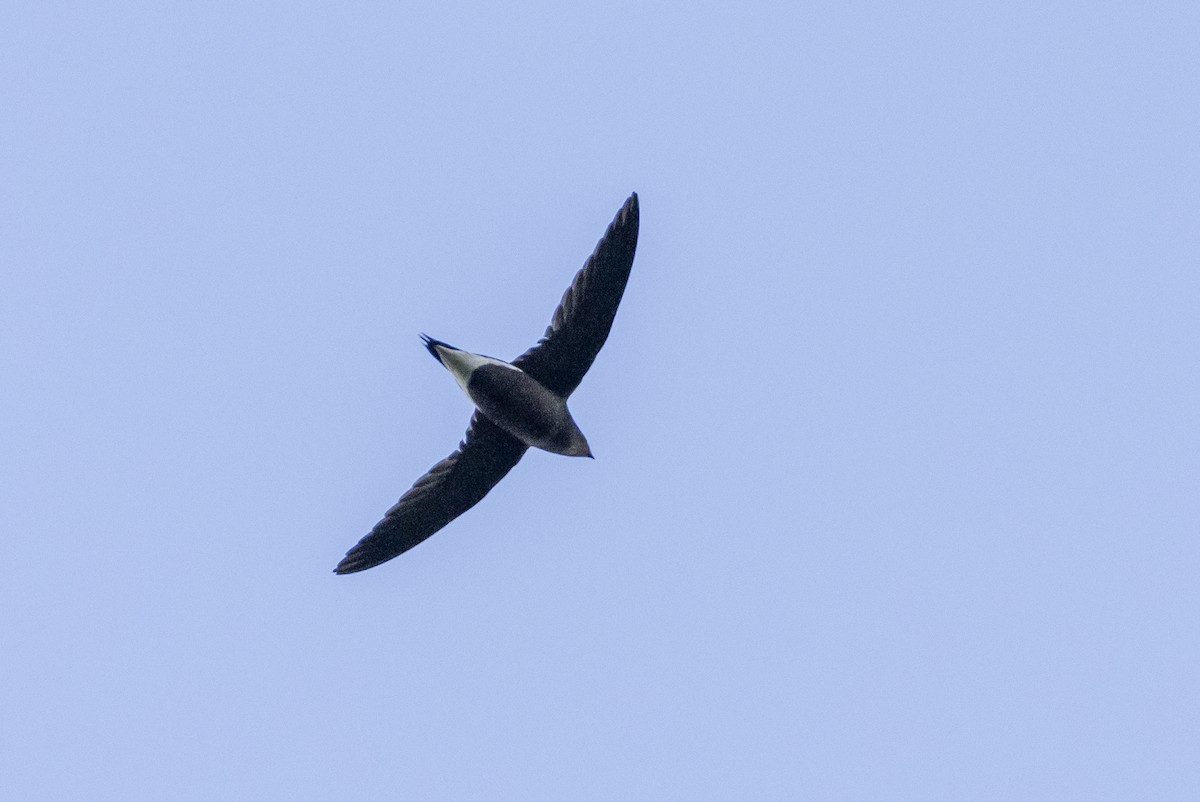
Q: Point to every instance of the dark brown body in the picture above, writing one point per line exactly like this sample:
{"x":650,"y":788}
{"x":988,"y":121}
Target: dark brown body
{"x":520,"y":405}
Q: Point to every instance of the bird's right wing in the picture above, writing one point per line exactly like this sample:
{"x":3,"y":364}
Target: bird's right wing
{"x":449,"y":489}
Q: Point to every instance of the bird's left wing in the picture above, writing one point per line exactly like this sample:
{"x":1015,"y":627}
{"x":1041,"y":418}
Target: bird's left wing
{"x":449,"y":489}
{"x":585,"y":315}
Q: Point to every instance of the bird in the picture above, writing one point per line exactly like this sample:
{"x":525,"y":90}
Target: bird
{"x":518,"y":404}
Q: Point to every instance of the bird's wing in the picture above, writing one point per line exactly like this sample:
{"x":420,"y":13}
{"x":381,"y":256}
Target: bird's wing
{"x":584,"y":316}
{"x":449,"y":489}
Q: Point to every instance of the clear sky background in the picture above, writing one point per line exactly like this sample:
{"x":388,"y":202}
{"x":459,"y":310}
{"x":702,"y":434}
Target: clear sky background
{"x":897,"y":431}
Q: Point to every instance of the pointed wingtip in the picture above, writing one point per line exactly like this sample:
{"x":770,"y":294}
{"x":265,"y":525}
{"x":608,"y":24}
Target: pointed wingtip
{"x":351,"y":565}
{"x":629,"y":214}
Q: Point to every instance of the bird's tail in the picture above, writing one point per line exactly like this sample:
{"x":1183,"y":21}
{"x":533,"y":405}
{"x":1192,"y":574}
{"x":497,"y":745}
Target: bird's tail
{"x":430,"y":344}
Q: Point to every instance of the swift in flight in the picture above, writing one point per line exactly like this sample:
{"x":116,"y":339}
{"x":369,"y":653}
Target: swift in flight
{"x":518,"y":404}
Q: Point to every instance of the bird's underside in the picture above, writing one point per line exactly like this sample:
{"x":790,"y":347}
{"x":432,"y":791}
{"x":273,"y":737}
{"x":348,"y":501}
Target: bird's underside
{"x":558,"y":362}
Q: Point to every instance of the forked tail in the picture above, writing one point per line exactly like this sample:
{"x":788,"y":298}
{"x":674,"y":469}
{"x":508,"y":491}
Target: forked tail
{"x":430,"y":343}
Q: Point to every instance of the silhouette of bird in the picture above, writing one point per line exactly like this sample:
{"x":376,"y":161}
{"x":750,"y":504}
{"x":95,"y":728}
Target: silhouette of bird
{"x":518,"y":404}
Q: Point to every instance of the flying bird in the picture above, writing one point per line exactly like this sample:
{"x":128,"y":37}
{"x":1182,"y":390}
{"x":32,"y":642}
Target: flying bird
{"x":518,"y":404}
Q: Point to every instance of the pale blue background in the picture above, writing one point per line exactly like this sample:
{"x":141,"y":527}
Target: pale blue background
{"x":897,"y":483}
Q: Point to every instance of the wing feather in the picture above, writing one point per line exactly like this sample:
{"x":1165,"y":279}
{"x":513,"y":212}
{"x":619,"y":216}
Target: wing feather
{"x":581,"y":322}
{"x":446,"y":491}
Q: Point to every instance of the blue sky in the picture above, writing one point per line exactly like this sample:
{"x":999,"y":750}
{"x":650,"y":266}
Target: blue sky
{"x":897,"y":446}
